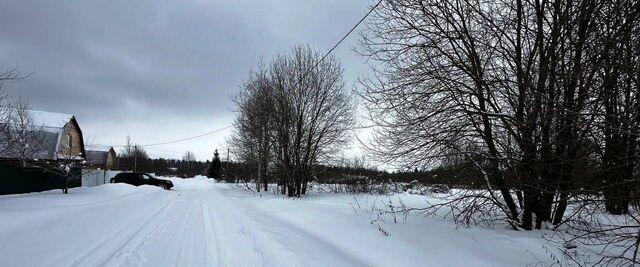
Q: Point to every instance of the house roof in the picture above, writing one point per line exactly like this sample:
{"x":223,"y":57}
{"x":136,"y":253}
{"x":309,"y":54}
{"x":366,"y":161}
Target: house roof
{"x":47,"y":149}
{"x":96,"y":157}
{"x":50,"y":119}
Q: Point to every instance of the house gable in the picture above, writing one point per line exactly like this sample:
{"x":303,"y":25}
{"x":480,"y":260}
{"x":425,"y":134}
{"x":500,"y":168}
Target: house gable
{"x":111,"y":159}
{"x":70,"y":142}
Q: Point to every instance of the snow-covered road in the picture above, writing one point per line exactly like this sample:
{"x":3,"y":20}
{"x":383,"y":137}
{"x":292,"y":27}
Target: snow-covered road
{"x":201,"y":223}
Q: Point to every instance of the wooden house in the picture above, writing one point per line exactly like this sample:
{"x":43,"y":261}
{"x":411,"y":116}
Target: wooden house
{"x":96,"y":159}
{"x":64,"y":141}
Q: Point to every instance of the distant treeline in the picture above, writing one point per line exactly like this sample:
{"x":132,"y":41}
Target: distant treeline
{"x":462,"y":175}
{"x":134,"y":158}
{"x":162,"y":166}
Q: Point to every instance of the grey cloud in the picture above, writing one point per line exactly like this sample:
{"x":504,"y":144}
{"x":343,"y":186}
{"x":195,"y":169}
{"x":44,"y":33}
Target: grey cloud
{"x":158,"y":62}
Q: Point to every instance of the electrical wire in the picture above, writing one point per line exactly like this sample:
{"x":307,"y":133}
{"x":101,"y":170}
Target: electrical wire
{"x":342,"y":39}
{"x":171,"y":141}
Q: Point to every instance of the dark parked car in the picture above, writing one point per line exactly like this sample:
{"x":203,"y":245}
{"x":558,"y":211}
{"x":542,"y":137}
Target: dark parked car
{"x":138,"y":178}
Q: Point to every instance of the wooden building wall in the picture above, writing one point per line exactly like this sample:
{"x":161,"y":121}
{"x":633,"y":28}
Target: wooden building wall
{"x":111,"y":159}
{"x":73,"y":149}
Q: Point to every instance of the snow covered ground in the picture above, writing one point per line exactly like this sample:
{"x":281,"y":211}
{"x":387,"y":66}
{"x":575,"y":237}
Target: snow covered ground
{"x":202,"y":223}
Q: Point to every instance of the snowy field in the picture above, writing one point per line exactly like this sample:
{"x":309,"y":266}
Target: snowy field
{"x":202,"y":223}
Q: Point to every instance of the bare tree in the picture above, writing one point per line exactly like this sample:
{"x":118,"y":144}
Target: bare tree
{"x":26,"y":138}
{"x":133,"y":157}
{"x":313,"y":113}
{"x":434,"y":94}
{"x":252,"y":140}
{"x":540,"y":96}
{"x":297,"y":112}
{"x":188,"y":164}
{"x":519,"y":82}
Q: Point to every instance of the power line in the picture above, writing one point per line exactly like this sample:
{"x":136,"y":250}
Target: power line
{"x":173,"y":152}
{"x":172,"y":141}
{"x":343,"y":38}
{"x":188,"y":138}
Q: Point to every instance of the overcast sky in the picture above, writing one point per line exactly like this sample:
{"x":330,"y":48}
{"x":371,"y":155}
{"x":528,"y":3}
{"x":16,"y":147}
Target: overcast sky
{"x":160,"y":70}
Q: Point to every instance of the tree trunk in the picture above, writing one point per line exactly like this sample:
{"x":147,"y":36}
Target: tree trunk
{"x":530,"y":200}
{"x":561,"y":207}
{"x":65,"y":188}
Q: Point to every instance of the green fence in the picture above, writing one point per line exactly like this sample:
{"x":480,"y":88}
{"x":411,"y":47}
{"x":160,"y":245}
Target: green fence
{"x":15,"y":179}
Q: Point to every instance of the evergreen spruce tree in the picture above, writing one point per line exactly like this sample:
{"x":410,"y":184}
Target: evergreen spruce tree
{"x":215,"y":168}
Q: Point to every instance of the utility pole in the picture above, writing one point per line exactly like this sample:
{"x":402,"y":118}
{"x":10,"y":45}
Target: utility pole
{"x":135,"y":158}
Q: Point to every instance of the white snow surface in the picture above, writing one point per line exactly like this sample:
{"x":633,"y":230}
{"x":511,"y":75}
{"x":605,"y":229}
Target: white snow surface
{"x":49,"y":119}
{"x":203,"y":223}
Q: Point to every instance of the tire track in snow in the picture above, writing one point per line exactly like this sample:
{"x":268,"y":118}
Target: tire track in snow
{"x":115,"y":240}
{"x":211,"y":232}
{"x":131,"y":250}
{"x":184,"y":232}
